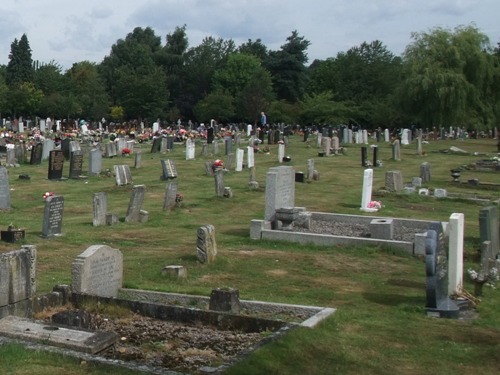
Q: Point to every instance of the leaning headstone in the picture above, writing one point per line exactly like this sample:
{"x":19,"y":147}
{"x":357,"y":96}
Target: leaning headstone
{"x":98,"y":271}
{"x":135,"y":204}
{"x":425,"y":172}
{"x":36,"y":154}
{"x":396,"y":150}
{"x":169,"y":169}
{"x":122,"y":175}
{"x":156,"y":147}
{"x":206,"y":247}
{"x":367,"y":191}
{"x":489,"y":228}
{"x":456,"y":254}
{"x":76,"y":164}
{"x":56,"y":164}
{"x":170,"y":196}
{"x":53,"y":215}
{"x":4,"y":189}
{"x":438,"y":302}
{"x":95,"y":162}
{"x":100,"y":205}
{"x":280,"y":190}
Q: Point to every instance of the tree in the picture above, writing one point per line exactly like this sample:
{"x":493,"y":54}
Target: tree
{"x":287,"y":67}
{"x":216,"y":105}
{"x":447,"y":78}
{"x":24,"y":99}
{"x":256,"y":49}
{"x":20,"y":65}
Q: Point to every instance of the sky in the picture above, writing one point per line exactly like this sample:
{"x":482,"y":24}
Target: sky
{"x":68,"y":31}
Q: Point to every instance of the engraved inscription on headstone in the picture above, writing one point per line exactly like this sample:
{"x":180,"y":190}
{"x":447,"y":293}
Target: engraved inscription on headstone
{"x":4,"y":189}
{"x":76,"y":164}
{"x":56,"y":164}
{"x":53,"y":215}
{"x":36,"y":154}
{"x":169,"y":169}
{"x":206,"y":247}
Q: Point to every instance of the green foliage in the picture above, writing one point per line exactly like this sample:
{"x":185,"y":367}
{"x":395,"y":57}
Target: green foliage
{"x":20,"y":65}
{"x":218,"y":105}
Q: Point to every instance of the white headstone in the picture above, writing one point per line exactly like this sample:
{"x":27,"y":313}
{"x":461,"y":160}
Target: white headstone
{"x":281,"y":152}
{"x":456,"y":251}
{"x":280,"y":190}
{"x":367,"y":191}
{"x":240,"y":154}
{"x":249,"y":129}
{"x":156,"y":127}
{"x":387,"y":137}
{"x":42,"y":125}
{"x":250,"y":157}
{"x":404,"y":137}
{"x":190,"y":150}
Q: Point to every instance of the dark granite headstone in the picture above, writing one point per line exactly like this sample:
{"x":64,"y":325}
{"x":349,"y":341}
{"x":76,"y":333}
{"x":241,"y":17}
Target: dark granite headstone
{"x":76,"y":164}
{"x":65,"y":144}
{"x":53,"y":215}
{"x":36,"y":154}
{"x":169,"y":169}
{"x":156,"y":147}
{"x":210,"y":135}
{"x":56,"y":164}
{"x":170,"y":143}
{"x":363,"y":156}
{"x":436,"y":265}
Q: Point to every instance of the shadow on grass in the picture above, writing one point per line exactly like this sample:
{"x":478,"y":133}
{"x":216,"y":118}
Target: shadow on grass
{"x":238,"y":232}
{"x":407,"y":283}
{"x":394,"y":299}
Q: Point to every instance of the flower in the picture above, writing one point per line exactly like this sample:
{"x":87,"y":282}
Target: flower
{"x":48,"y":194}
{"x":218,"y":163}
{"x":126,"y":151}
{"x":179,"y":197}
{"x":375,"y":204}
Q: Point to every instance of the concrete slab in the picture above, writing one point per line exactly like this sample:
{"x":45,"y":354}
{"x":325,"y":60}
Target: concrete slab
{"x":30,"y":330}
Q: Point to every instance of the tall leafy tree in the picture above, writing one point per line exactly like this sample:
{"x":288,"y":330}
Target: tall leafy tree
{"x":448,"y":75}
{"x":255,"y":48}
{"x":55,"y":87}
{"x":20,"y":65}
{"x":287,"y":67}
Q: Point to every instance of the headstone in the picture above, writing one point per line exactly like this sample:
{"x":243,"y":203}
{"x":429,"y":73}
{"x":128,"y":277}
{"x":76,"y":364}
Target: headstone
{"x":416,"y":182}
{"x":56,"y":164}
{"x":281,"y":152}
{"x":138,"y":160}
{"x":100,"y":205}
{"x":11,"y":157}
{"x":387,"y":137}
{"x":190,"y":149}
{"x":36,"y":154}
{"x":419,"y":143}
{"x":394,"y":181}
{"x":95,"y":162}
{"x":327,"y":145}
{"x":436,"y":264}
{"x":76,"y":164}
{"x":225,"y":299}
{"x":111,"y":150}
{"x":375,"y":156}
{"x":310,"y":169}
{"x":17,"y":276}
{"x":170,"y":195}
{"x":170,"y":143}
{"x":250,"y":157}
{"x":228,"y":144}
{"x":65,"y":147}
{"x":456,"y":254}
{"x":219,"y":182}
{"x":367,"y":191}
{"x":53,"y":215}
{"x":98,"y":271}
{"x":122,"y":175}
{"x":135,"y":204}
{"x":169,"y":169}
{"x":405,"y":137}
{"x":440,"y":193}
{"x":425,"y":172}
{"x":280,"y":190}
{"x":206,"y":247}
{"x":396,"y":150}
{"x":364,"y":160}
{"x":489,"y":228}
{"x":156,"y":147}
{"x":4,"y":189}
{"x":240,"y":154}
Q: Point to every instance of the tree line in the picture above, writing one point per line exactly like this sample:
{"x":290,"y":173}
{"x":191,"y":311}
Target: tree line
{"x":444,"y":78}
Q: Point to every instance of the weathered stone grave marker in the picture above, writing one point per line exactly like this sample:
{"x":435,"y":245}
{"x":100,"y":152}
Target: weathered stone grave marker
{"x":53,"y":215}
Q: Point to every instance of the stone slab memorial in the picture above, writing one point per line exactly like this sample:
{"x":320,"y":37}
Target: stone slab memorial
{"x":206,"y":246}
{"x":135,"y":204}
{"x":280,"y":190}
{"x":53,"y":216}
{"x":489,"y":229}
{"x":76,"y":164}
{"x":56,"y":165}
{"x":122,"y":174}
{"x":366,"y":195}
{"x":456,"y":254}
{"x":169,"y":201}
{"x":98,"y":271}
{"x":100,"y":209}
{"x":95,"y":162}
{"x":4,"y":189}
{"x":36,"y":154}
{"x":169,"y":169}
{"x":156,"y":146}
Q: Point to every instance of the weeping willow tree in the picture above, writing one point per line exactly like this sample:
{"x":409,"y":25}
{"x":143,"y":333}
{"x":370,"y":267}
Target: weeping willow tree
{"x":447,"y":78}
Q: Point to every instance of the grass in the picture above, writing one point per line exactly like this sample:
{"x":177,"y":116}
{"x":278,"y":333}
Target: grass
{"x":380,"y":326}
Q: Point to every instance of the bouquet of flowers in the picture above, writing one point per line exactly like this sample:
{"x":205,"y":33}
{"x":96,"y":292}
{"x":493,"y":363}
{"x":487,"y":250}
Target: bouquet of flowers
{"x":48,"y":194}
{"x":375,"y":204}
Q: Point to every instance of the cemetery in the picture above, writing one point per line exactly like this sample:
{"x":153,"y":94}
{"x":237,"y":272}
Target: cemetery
{"x":167,"y":232}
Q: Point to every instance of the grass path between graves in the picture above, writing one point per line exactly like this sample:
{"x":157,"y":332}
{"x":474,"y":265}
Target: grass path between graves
{"x":380,"y":326}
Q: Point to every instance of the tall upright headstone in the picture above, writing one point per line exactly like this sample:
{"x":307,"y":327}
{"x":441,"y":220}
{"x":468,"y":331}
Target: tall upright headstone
{"x":396,"y":150}
{"x":4,"y":189}
{"x":76,"y":164}
{"x":170,"y":195}
{"x":489,"y":228}
{"x":280,"y":190}
{"x":394,"y":181}
{"x":95,"y":162}
{"x":456,"y":254}
{"x":190,"y":149}
{"x":52,"y":216}
{"x":281,"y":152}
{"x":206,"y":246}
{"x":36,"y":154}
{"x":135,"y":204}
{"x":425,"y":172}
{"x":367,"y":191}
{"x":100,"y":206}
{"x":240,"y":154}
{"x":56,"y":164}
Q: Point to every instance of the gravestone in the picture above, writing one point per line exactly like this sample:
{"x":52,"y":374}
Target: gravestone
{"x":280,"y":190}
{"x":65,"y":147}
{"x":229,"y":162}
{"x":366,"y":196}
{"x":111,"y":149}
{"x":364,"y":160}
{"x":36,"y":154}
{"x":4,"y":189}
{"x":122,"y":175}
{"x":310,"y":169}
{"x":170,"y":143}
{"x":190,"y":150}
{"x":405,"y":137}
{"x":394,"y":181}
{"x":456,"y":254}
{"x":489,"y":229}
{"x":100,"y":205}
{"x":210,"y":135}
{"x":438,"y":302}
{"x":95,"y":162}
{"x":156,"y":147}
{"x":138,"y":160}
{"x":250,"y":157}
{"x":206,"y":247}
{"x":219,"y":182}
{"x":56,"y":164}
{"x":74,"y":146}
{"x":396,"y":150}
{"x":169,"y":169}
{"x":135,"y":204}
{"x":98,"y":271}
{"x":425,"y":172}
{"x":440,"y":193}
{"x":76,"y":164}
{"x":228,"y":145}
{"x":240,"y":154}
{"x":170,"y":196}
{"x":53,"y":215}
{"x":11,"y":159}
{"x":416,"y":182}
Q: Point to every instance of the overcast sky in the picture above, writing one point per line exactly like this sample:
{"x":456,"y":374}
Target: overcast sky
{"x":67,"y":31}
